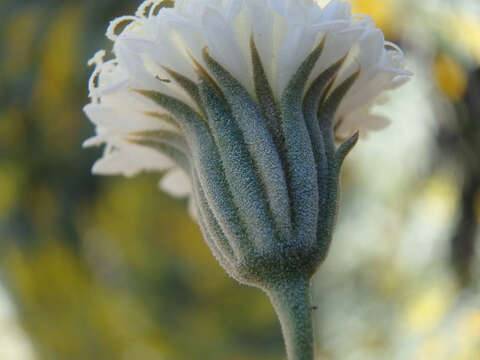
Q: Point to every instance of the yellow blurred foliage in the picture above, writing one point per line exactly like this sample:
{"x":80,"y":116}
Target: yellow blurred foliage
{"x":51,"y":264}
{"x":60,"y":53}
{"x":467,"y":354}
{"x":433,"y":348}
{"x":382,"y":11}
{"x":59,"y":66}
{"x":43,"y":207}
{"x":460,"y":341}
{"x":469,"y":328}
{"x":11,"y":178}
{"x":60,"y":297}
{"x":440,"y":197}
{"x":464,"y":29}
{"x":18,"y":41}
{"x":125,"y":213}
{"x":477,"y":206}
{"x":426,"y":309}
{"x":12,"y":127}
{"x":451,"y":77}
{"x":390,"y":281}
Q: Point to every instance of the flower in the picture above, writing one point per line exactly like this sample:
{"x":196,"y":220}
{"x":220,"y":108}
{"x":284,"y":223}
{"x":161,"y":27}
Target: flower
{"x":240,"y":103}
{"x":284,"y":31}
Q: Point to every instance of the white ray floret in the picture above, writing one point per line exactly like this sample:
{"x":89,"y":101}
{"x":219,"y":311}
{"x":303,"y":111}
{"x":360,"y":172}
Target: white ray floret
{"x":157,"y":38}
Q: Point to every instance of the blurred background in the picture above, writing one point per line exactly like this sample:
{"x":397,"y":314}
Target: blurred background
{"x":112,"y":268}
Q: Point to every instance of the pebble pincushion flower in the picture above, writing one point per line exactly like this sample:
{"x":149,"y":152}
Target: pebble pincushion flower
{"x":249,"y":107}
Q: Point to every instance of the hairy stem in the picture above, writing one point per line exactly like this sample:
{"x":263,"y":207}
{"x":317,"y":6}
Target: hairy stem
{"x":291,"y":301}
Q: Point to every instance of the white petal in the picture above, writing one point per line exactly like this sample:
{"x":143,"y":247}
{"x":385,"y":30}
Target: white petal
{"x":135,"y":67}
{"x":113,"y":164}
{"x":93,"y":141}
{"x":361,"y":121}
{"x":233,"y":9}
{"x":297,"y":44}
{"x":280,"y":6}
{"x":337,"y":45}
{"x":336,"y":10}
{"x":176,"y":183}
{"x":116,"y":121}
{"x":285,"y":32}
{"x":192,"y":208}
{"x":372,"y":48}
{"x":164,"y":52}
{"x":263,"y":19}
{"x":222,"y":43}
{"x":129,"y":160}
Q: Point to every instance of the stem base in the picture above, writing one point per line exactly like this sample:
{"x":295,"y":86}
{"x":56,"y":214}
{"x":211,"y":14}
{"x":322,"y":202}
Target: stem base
{"x":291,"y":301}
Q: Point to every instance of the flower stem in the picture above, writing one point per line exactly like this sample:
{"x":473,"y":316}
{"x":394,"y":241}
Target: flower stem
{"x":291,"y":301}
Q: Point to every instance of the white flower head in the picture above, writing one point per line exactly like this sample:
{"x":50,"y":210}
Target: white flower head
{"x":250,"y":106}
{"x":166,"y":50}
